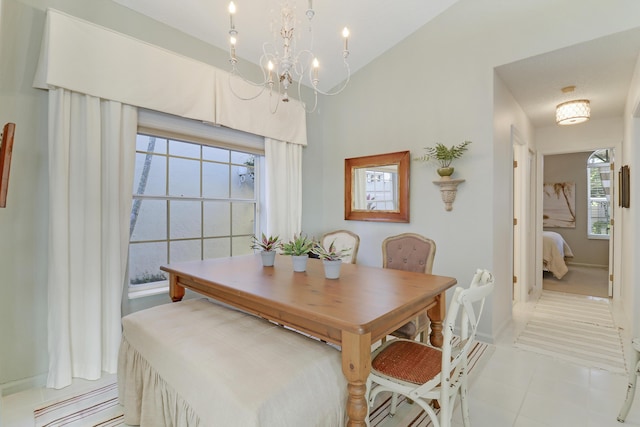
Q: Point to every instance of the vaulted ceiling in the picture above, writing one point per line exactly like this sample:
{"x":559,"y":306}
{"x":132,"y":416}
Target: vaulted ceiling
{"x":600,"y":69}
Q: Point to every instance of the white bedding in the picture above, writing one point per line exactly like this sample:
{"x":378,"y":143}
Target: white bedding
{"x":196,"y":363}
{"x":554,"y":250}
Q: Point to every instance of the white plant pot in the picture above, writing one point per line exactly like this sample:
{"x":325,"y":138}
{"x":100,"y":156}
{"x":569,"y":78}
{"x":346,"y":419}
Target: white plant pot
{"x":332,"y":268}
{"x":300,"y":262}
{"x":268,"y":258}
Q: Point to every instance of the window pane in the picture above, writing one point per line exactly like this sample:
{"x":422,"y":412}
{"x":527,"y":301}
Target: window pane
{"x":145,"y":260}
{"x":215,"y":180}
{"x":243,"y":184}
{"x":184,"y":177}
{"x":184,"y":149}
{"x":241,"y":246}
{"x":152,"y":144}
{"x":148,"y":220}
{"x":243,"y":218}
{"x":217,"y":248}
{"x":599,"y":193}
{"x":242,"y":158}
{"x":185,"y":220}
{"x":150,"y":175}
{"x":184,"y":250}
{"x":217,"y":219}
{"x":215,"y":154}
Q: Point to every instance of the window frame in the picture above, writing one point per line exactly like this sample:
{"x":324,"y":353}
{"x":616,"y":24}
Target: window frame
{"x":174,"y":128}
{"x":591,"y":199}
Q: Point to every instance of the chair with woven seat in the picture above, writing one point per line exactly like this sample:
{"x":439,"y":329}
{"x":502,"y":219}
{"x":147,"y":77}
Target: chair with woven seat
{"x":422,"y":372}
{"x":633,"y":378}
{"x":410,"y":252}
{"x":343,"y":239}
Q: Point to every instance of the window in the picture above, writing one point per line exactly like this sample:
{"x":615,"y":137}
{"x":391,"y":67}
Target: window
{"x":190,"y":201}
{"x":599,"y":194}
{"x":380,"y":191}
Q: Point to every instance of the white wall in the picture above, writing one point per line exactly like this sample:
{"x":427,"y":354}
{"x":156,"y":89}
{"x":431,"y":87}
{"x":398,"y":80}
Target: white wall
{"x":438,"y":86}
{"x":630,"y":241}
{"x":435,"y":86}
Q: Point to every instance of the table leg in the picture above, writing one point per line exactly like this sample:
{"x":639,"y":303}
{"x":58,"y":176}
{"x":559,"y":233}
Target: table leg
{"x":356,"y":365}
{"x":436,"y":316}
{"x":176,"y":292}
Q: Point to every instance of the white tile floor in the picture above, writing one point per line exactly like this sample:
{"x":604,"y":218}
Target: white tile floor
{"x":515,"y":388}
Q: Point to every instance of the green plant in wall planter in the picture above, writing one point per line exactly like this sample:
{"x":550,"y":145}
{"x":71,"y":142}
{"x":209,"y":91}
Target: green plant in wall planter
{"x":444,"y":156}
{"x":299,"y":249}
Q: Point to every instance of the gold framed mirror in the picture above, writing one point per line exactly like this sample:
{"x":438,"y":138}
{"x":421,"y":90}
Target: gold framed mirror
{"x":376,"y":188}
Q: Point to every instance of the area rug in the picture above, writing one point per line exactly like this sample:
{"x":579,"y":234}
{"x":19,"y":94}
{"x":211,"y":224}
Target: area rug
{"x":99,"y":407}
{"x":574,"y":328}
{"x":96,"y":407}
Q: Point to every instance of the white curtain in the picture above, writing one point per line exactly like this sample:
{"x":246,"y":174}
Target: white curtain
{"x":91,"y":163}
{"x":359,"y":199}
{"x":283,"y":188}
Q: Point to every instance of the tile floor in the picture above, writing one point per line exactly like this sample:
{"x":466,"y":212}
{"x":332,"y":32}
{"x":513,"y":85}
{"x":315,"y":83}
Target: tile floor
{"x":515,"y":388}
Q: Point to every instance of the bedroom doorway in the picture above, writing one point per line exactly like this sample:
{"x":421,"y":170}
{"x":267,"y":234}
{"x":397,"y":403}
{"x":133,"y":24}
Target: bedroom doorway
{"x":577,"y":211}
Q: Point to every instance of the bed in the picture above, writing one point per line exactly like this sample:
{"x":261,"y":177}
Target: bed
{"x":554,"y":251}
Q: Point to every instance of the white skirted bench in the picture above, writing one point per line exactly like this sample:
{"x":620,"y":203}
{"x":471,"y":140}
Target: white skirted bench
{"x":198,"y":363}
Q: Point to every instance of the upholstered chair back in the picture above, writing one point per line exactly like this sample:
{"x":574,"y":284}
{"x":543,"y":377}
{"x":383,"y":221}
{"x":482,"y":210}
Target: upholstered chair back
{"x":409,"y":252}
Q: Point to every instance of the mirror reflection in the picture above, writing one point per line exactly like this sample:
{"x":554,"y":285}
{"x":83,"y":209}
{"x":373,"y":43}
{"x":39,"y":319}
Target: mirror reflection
{"x":377,"y":187}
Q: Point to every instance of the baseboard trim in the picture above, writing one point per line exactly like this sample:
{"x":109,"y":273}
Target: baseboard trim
{"x":582,"y":264}
{"x":13,"y":387}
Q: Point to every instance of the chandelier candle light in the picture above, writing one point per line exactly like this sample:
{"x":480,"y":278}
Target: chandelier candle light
{"x":282,"y":69}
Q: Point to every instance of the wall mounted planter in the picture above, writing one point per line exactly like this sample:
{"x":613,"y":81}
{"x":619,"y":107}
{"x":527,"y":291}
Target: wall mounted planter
{"x":448,"y":190}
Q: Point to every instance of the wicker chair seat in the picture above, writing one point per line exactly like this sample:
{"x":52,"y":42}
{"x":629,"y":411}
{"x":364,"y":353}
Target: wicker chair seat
{"x":408,"y":361}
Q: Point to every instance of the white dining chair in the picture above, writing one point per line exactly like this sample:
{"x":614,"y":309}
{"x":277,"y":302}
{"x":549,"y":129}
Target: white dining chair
{"x":633,"y":378}
{"x":343,"y":239}
{"x":422,"y":372}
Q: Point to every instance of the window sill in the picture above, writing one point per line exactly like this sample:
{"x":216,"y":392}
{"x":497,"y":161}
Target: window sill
{"x":596,"y":237}
{"x":141,"y":291}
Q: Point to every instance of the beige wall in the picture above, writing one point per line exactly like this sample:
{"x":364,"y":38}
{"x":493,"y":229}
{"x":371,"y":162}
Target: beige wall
{"x":572,"y":168}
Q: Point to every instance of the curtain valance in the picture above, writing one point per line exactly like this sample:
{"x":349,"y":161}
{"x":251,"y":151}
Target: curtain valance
{"x":94,"y":60}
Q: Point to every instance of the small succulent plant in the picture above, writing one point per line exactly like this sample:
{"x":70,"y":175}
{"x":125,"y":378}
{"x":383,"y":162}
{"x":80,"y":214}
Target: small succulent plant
{"x":300,"y":245}
{"x":265,"y":243}
{"x":330,"y":253}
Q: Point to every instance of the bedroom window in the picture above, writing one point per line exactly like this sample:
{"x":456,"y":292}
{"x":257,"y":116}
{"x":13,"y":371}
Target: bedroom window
{"x":190,"y":201}
{"x":599,"y":194}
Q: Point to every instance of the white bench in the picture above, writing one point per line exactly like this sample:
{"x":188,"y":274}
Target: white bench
{"x":197,"y":363}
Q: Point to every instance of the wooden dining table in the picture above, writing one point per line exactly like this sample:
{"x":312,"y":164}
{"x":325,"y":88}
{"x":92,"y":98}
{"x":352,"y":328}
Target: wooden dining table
{"x":359,"y":308}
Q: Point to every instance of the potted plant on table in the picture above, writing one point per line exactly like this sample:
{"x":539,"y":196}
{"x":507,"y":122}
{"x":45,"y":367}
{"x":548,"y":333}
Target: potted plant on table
{"x":268,"y":246}
{"x":444,"y":156}
{"x":299,"y":249}
{"x":331,"y":258}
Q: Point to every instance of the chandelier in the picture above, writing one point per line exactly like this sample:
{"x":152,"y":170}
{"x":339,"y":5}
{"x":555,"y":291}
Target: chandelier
{"x":572,"y":112}
{"x":285,"y":68}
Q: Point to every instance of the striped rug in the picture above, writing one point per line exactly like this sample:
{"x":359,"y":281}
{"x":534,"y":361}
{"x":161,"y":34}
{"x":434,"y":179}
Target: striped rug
{"x":574,"y":328}
{"x":99,"y":407}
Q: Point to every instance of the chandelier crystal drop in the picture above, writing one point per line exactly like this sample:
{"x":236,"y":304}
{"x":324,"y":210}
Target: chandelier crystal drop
{"x":283,"y":67}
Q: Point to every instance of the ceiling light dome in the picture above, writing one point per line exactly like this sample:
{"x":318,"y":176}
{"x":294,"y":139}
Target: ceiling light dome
{"x":573,"y":112}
